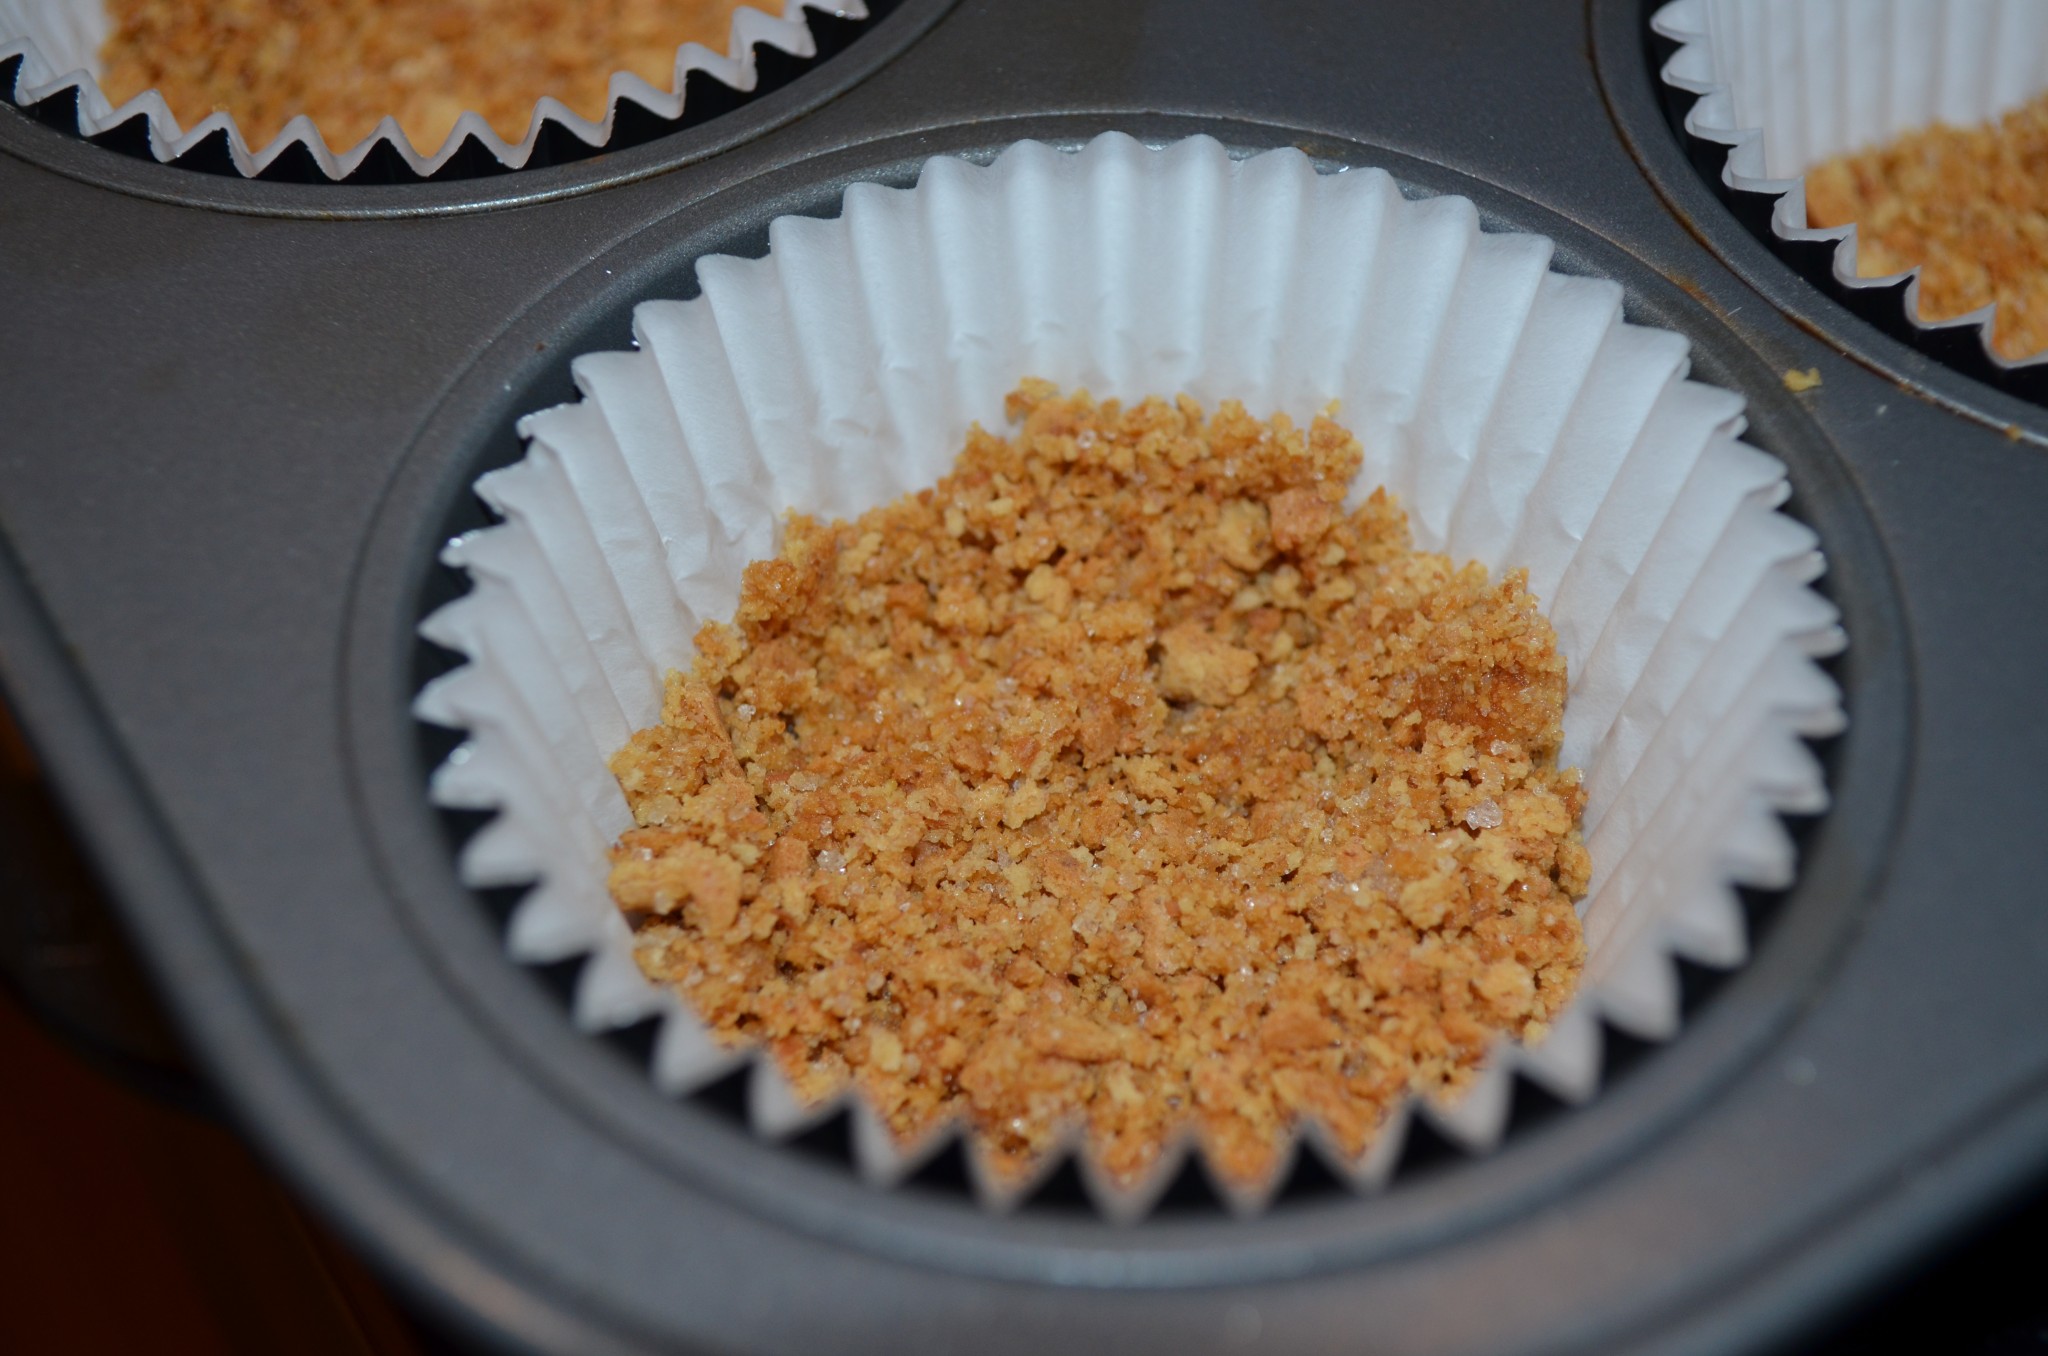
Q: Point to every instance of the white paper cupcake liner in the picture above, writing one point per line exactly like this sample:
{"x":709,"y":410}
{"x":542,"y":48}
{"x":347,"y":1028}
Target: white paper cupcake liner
{"x":1788,"y":84}
{"x":1519,"y":418}
{"x":59,"y":41}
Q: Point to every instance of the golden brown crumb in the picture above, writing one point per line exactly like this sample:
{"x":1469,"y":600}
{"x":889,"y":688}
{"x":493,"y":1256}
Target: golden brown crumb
{"x":1122,"y":778}
{"x":1800,"y":382}
{"x":348,"y":63}
{"x":1969,"y":205}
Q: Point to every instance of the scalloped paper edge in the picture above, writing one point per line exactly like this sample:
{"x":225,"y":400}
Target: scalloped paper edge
{"x":1693,"y":68}
{"x":38,"y":79}
{"x":1515,"y":411}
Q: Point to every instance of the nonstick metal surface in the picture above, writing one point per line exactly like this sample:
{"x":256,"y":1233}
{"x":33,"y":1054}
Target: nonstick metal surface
{"x":237,"y":430}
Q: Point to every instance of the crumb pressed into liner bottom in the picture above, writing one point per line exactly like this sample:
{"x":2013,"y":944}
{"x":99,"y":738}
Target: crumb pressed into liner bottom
{"x":1968,"y":206}
{"x":1122,"y":779}
{"x":425,"y":62}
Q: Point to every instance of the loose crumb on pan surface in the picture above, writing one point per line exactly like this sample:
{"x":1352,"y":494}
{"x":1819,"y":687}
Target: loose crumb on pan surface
{"x":1968,"y":205}
{"x":348,"y":63}
{"x":1121,"y":779}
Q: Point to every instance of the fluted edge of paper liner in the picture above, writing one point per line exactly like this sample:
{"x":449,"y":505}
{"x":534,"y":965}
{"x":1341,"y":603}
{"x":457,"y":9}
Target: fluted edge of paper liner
{"x":1519,"y":417}
{"x":1824,"y":78}
{"x":59,"y":41}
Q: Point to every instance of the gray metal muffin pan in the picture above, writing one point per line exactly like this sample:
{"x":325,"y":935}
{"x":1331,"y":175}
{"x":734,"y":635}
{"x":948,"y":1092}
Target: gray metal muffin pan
{"x":238,"y":418}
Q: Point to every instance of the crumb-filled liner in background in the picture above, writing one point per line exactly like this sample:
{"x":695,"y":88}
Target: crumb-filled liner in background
{"x":1783,"y":86}
{"x":57,"y":47}
{"x":1521,"y":421}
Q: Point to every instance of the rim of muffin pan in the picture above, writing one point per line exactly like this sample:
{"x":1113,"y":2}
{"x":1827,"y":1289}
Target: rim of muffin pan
{"x":1316,"y":1221}
{"x":715,"y":117}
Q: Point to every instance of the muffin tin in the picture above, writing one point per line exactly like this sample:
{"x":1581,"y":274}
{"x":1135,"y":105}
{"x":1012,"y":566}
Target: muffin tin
{"x":243,"y":416}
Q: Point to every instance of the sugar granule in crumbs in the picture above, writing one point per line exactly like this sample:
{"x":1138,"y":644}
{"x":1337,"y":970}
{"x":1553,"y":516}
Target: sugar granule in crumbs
{"x":1123,"y":778}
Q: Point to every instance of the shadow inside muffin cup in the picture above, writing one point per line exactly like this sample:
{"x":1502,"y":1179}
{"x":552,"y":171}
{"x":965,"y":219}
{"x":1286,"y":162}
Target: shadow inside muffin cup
{"x":1518,"y":418}
{"x":51,"y":65}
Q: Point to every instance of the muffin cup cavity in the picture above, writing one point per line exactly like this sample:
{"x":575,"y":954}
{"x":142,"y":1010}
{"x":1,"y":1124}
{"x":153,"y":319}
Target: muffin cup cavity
{"x":53,"y":49}
{"x":1781,"y":86}
{"x":1519,"y":418}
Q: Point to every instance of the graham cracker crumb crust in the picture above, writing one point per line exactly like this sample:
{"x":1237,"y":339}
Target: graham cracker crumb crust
{"x":1124,"y":779}
{"x":349,"y":63}
{"x":1967,"y":205}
